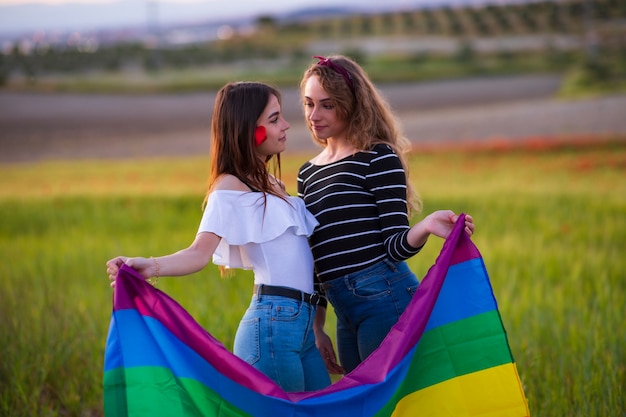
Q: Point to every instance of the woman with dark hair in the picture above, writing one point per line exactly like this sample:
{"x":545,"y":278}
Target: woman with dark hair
{"x":358,"y":189}
{"x":250,"y":222}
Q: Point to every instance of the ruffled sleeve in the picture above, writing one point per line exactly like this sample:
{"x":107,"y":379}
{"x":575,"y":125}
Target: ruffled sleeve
{"x":240,"y":218}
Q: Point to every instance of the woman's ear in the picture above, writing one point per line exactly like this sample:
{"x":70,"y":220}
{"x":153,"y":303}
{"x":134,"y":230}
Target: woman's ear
{"x":260,"y":135}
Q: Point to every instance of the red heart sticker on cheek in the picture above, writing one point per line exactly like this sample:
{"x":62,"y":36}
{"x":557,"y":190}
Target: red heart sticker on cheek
{"x":259,"y":135}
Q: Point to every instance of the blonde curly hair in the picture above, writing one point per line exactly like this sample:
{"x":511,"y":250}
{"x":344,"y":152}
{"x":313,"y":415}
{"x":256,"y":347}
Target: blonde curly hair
{"x":369,"y":115}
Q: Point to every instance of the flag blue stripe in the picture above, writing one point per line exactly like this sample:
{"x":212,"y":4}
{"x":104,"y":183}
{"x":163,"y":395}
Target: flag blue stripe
{"x":148,"y":343}
{"x":466,"y":292}
{"x":113,"y":350}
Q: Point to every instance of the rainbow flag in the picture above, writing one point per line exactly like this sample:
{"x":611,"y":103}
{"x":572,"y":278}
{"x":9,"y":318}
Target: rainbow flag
{"x":447,"y":356}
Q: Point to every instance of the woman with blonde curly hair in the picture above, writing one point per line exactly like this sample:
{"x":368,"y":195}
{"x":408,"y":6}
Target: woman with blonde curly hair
{"x":358,"y":189}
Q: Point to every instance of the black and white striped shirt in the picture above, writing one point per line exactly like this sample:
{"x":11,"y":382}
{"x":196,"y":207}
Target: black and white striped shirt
{"x":360,"y":203}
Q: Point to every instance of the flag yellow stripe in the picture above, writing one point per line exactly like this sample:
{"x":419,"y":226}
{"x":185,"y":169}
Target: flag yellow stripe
{"x":493,"y":392}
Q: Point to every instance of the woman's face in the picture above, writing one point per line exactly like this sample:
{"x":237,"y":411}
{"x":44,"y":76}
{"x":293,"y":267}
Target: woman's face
{"x":320,"y":112}
{"x":275,"y":127}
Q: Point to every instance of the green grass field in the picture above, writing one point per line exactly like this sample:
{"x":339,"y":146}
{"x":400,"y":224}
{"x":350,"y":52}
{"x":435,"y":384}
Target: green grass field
{"x":551,"y":226}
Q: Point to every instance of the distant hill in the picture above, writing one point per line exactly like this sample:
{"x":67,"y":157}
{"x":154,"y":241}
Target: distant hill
{"x":128,"y":13}
{"x":17,"y":19}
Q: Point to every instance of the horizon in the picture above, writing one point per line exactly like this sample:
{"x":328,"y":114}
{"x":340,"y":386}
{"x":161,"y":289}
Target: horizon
{"x":82,"y":15}
{"x":70,"y":15}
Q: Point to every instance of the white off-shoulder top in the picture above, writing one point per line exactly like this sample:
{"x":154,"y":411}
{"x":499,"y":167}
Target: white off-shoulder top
{"x":271,"y":240}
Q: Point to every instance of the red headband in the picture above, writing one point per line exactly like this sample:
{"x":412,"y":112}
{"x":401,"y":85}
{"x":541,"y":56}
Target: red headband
{"x":326,"y":62}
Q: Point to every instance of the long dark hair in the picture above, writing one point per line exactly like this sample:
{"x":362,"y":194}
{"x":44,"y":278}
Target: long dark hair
{"x":238,"y":106}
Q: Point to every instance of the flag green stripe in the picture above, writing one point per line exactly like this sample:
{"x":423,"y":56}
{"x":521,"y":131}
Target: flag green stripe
{"x":155,"y":391}
{"x":458,"y":348}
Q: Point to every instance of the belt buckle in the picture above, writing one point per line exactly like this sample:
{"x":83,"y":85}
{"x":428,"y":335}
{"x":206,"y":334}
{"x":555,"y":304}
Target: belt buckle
{"x":315,"y":298}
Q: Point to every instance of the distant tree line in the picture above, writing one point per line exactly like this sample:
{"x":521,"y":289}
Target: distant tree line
{"x":274,"y":39}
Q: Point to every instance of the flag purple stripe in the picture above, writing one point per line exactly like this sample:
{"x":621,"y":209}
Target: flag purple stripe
{"x":405,"y":334}
{"x":148,"y":302}
{"x":399,"y":342}
{"x":170,"y":353}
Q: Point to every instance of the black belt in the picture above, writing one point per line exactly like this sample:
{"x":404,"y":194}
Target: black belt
{"x":313,"y":299}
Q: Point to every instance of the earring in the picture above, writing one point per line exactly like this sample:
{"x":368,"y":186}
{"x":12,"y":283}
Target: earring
{"x":259,"y":135}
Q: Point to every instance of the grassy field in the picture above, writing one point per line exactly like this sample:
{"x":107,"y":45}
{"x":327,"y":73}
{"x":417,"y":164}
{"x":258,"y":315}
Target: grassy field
{"x":551,"y":226}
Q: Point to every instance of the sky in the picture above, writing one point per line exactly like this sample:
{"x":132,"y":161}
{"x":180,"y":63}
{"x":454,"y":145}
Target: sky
{"x":28,"y":15}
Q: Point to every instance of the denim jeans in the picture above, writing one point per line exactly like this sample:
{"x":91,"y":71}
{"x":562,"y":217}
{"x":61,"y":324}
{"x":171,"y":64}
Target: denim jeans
{"x":367,"y":304}
{"x":276,"y":337}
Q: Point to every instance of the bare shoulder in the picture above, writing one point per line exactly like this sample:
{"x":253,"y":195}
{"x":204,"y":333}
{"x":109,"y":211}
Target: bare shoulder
{"x":230,"y":182}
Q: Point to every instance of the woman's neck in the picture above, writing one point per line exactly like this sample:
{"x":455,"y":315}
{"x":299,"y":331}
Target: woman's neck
{"x":334,"y":150}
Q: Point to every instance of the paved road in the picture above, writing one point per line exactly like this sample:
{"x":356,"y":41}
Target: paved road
{"x":40,"y":126}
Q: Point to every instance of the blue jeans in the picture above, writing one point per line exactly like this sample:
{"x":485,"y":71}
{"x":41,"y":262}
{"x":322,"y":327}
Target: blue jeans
{"x":367,"y":304}
{"x":276,"y":337}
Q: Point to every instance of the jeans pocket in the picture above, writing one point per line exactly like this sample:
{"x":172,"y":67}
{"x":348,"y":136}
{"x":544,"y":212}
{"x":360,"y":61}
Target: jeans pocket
{"x":247,"y":340}
{"x":286,"y":311}
{"x":371,"y":287}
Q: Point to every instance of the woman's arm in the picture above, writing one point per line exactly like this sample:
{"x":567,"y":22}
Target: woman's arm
{"x":324,"y":344}
{"x":183,"y":262}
